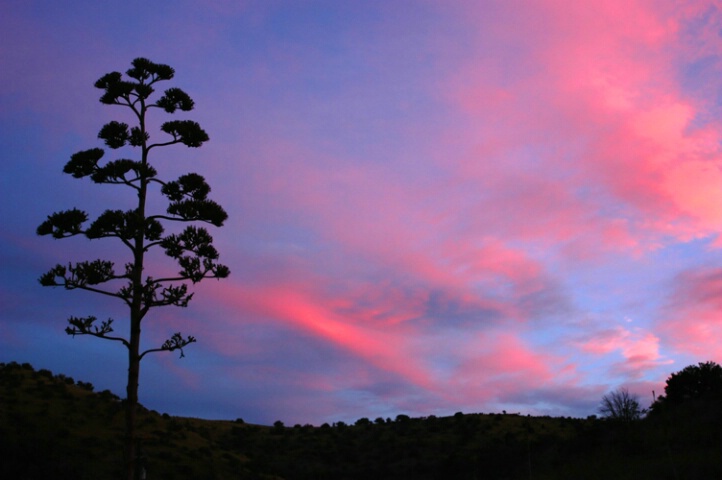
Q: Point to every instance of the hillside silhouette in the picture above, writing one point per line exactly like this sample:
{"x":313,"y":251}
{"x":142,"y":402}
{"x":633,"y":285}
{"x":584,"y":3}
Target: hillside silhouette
{"x":54,"y":427}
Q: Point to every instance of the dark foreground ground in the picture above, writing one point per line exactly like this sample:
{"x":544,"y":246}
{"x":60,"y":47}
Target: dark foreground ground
{"x":52,"y":427}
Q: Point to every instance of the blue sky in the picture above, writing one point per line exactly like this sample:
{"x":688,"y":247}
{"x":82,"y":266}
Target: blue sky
{"x":434,"y":206}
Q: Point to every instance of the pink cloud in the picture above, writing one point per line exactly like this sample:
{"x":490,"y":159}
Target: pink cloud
{"x":380,"y":222}
{"x":497,"y":364}
{"x":639,"y":350}
{"x":691,"y":322}
{"x":379,"y":344}
{"x":600,"y":99}
{"x":469,"y":364}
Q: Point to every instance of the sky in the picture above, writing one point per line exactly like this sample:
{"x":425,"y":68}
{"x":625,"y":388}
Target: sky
{"x":434,"y":206}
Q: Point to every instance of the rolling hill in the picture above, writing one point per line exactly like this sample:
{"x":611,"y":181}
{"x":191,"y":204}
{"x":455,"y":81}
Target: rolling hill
{"x":52,"y":427}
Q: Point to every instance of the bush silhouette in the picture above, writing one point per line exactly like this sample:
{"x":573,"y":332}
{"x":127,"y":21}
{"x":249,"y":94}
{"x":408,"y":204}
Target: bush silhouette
{"x":693,"y":383}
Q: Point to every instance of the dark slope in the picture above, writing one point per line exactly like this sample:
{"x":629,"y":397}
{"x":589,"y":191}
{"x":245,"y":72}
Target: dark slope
{"x":53,"y":427}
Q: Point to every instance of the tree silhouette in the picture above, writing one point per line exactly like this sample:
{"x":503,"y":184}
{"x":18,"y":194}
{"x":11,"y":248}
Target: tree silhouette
{"x":620,"y":405}
{"x":139,"y":229}
{"x":694,"y":382}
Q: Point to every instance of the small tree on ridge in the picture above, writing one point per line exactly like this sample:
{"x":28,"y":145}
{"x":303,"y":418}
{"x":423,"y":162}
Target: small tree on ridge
{"x":620,"y":405}
{"x":139,"y":230}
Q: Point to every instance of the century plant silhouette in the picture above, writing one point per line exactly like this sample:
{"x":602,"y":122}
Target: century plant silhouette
{"x":139,"y":229}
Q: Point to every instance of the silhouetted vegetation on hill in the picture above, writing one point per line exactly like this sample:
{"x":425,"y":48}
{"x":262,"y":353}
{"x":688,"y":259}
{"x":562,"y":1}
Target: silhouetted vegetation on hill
{"x":54,"y":427}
